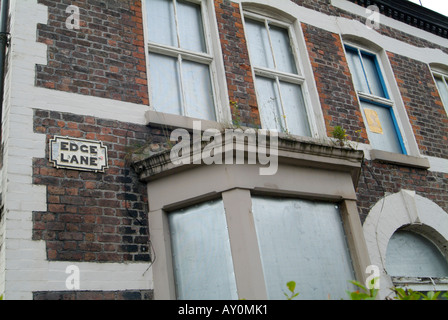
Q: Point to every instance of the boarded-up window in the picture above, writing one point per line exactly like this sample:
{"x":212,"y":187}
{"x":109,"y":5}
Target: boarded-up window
{"x":302,"y":241}
{"x":202,"y":260}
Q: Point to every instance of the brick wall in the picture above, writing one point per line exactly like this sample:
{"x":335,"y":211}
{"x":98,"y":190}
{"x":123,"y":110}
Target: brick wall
{"x":100,"y":217}
{"x":104,"y":58}
{"x":337,"y":95}
{"x":240,"y":82}
{"x":379,"y":179}
{"x":423,"y":104}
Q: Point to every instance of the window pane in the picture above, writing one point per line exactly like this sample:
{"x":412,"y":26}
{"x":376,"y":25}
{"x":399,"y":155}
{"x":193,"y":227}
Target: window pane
{"x":373,"y":76}
{"x":412,"y":255}
{"x":260,"y":50}
{"x":357,"y":71}
{"x":198,"y":91}
{"x":302,"y":241}
{"x":269,"y":104}
{"x":161,"y":22}
{"x":283,"y":55}
{"x":190,"y":26}
{"x":165,"y":84}
{"x":296,"y":115}
{"x":443,"y":91}
{"x":202,"y":258}
{"x":382,"y":132}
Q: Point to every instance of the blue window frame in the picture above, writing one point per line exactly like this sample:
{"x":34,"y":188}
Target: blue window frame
{"x":376,"y":104}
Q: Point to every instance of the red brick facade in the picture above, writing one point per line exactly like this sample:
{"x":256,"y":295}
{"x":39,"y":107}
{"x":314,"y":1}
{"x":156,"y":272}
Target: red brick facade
{"x":425,"y":109}
{"x":240,"y":82}
{"x":103,"y":217}
{"x":104,"y":58}
{"x":92,"y":216}
{"x":334,"y":84}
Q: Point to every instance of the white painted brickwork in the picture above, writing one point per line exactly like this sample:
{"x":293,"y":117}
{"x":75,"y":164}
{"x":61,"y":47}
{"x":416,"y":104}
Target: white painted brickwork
{"x":23,"y":264}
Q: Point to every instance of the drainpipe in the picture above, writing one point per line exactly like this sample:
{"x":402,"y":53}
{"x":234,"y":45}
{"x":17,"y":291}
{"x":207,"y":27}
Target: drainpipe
{"x":4,"y":39}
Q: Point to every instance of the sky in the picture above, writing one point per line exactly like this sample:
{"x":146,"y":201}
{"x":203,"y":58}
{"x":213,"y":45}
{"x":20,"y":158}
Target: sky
{"x":440,"y":6}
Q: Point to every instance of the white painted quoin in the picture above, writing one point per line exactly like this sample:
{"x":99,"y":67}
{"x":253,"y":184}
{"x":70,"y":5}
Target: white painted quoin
{"x":24,"y":266}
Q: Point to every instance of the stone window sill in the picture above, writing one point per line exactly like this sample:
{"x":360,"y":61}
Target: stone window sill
{"x":400,"y":159}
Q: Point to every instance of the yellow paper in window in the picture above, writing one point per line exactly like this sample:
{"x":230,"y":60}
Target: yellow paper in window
{"x":373,"y":121}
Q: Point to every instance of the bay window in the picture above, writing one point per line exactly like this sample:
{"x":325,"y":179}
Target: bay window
{"x":223,"y":232}
{"x":302,"y":241}
{"x":202,"y":259}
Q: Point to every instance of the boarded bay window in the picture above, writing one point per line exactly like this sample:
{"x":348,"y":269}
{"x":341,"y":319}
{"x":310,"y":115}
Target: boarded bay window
{"x":258,"y":237}
{"x":202,"y":260}
{"x":442,"y":85}
{"x":278,"y":81}
{"x":180,"y":59}
{"x":376,"y":105}
{"x":302,"y":241}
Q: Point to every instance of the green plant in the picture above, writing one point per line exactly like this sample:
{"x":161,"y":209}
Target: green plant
{"x":365,"y":294}
{"x":339,"y":134}
{"x":409,"y":294}
{"x":291,"y":287}
{"x":236,"y":114}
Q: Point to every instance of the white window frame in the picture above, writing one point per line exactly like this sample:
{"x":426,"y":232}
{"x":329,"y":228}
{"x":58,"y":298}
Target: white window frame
{"x":278,"y":76}
{"x":444,"y":77}
{"x":389,"y":101}
{"x":212,"y":58}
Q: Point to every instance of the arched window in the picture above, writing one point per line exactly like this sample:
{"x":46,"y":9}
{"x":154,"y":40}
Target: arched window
{"x":412,"y":255}
{"x":407,"y":238}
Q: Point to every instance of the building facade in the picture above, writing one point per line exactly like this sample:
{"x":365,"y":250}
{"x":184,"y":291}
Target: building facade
{"x":341,"y":108}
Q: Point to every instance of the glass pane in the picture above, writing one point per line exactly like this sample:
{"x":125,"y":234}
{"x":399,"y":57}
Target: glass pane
{"x":269,"y":104}
{"x":283,"y":55}
{"x":294,"y":105}
{"x":381,"y":129}
{"x":412,"y":255}
{"x":302,"y":241}
{"x":373,"y":75}
{"x":198,"y":91}
{"x":190,"y":26}
{"x":202,"y":258}
{"x":357,"y":71}
{"x":443,"y":91}
{"x":259,"y":47}
{"x":164,"y":74}
{"x":161,"y":22}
